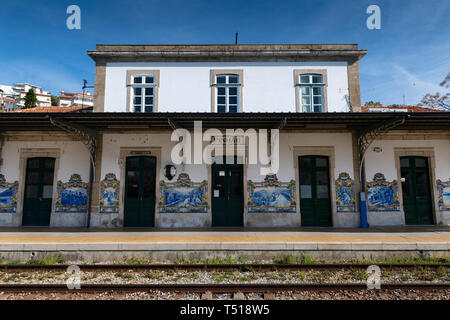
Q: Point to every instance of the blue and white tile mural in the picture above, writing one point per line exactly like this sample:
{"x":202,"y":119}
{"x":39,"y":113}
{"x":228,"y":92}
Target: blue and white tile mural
{"x":183,"y":196}
{"x":382,"y":195}
{"x":271,"y":196}
{"x":444,"y":195}
{"x":345,"y":193}
{"x":8,"y":192}
{"x":109,"y":194}
{"x":72,"y":196}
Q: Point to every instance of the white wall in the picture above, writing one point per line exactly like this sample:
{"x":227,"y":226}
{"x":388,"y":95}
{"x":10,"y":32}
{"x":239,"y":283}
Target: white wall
{"x":185,"y":87}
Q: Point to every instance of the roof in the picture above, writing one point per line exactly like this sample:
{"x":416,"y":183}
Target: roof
{"x":226,"y":52}
{"x":53,"y":109}
{"x":402,"y":108}
{"x":103,"y":121}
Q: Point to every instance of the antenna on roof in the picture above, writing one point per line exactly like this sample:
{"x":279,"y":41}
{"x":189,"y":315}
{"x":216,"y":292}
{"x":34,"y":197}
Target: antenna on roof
{"x":237,"y":34}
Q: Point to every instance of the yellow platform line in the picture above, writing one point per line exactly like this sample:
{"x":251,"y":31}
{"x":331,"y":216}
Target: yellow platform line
{"x":221,"y":239}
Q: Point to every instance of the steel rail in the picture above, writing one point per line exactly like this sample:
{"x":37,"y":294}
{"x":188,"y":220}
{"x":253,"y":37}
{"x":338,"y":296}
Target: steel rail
{"x":162,"y":267}
{"x":216,"y":288}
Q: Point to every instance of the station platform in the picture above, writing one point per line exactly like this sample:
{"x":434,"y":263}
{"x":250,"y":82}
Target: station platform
{"x":168,"y":245}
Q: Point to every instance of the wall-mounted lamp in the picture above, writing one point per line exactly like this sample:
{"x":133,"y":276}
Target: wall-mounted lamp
{"x":377,"y":149}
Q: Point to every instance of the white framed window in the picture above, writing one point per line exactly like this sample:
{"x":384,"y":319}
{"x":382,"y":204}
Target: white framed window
{"x":227,"y":93}
{"x":311,"y":92}
{"x":143,"y":93}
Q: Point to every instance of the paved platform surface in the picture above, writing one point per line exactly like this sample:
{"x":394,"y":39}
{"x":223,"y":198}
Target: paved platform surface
{"x":417,"y":240}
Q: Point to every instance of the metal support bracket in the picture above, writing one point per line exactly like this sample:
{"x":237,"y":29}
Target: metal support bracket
{"x":87,"y":136}
{"x":366,"y":137}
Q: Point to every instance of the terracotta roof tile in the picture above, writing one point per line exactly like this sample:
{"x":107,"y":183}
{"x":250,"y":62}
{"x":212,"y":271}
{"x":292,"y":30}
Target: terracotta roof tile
{"x":406,"y":108}
{"x":54,"y":109}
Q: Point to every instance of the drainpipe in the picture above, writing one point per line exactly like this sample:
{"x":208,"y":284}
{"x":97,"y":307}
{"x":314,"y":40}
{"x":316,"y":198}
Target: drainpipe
{"x":91,"y":183}
{"x":362,"y":197}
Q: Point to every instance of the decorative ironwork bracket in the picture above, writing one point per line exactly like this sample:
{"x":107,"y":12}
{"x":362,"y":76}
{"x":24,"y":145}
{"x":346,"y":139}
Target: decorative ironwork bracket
{"x":87,"y":136}
{"x":366,"y":137}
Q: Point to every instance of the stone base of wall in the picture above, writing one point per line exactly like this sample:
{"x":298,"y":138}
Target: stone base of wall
{"x":10,"y":220}
{"x":69,"y":219}
{"x":385,"y":218}
{"x":103,"y":220}
{"x":272,"y":220}
{"x":182,"y":220}
{"x":347,"y":220}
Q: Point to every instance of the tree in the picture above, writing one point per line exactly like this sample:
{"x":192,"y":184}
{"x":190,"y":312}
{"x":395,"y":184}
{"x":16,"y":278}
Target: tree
{"x":371,"y":103}
{"x":438,"y":100}
{"x":55,"y":101}
{"x":30,"y":99}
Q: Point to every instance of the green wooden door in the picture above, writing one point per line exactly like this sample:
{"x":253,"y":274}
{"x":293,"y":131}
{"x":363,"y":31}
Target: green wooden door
{"x":416,"y":190}
{"x":227,"y":195}
{"x":314,"y":182}
{"x":37,"y":206}
{"x":139,"y":208}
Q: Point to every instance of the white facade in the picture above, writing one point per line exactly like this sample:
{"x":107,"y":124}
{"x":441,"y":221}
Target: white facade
{"x":186,"y":87}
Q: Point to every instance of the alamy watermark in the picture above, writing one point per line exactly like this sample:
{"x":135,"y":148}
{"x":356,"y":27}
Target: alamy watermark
{"x":374,"y":278}
{"x":73,"y":22}
{"x":374,"y":20}
{"x":74,"y":279}
{"x":229,"y":146}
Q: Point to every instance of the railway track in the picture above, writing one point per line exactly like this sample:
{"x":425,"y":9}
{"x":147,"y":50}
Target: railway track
{"x":213,"y":288}
{"x":207,"y":267}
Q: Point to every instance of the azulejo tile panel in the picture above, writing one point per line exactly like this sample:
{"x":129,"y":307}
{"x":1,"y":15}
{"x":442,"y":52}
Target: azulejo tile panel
{"x":72,"y":196}
{"x":345,"y":193}
{"x":444,"y":194}
{"x":382,"y":195}
{"x":271,"y":196}
{"x":109,"y":194}
{"x":183,"y":196}
{"x":8,"y":192}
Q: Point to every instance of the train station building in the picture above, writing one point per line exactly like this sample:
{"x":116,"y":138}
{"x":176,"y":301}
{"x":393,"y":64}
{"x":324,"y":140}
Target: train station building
{"x":205,"y":136}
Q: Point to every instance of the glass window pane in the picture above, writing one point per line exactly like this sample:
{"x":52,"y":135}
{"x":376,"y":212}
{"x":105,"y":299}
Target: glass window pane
{"x":149,"y":91}
{"x":137,"y":108}
{"x":232,"y":108}
{"x":138,"y":80}
{"x":235,"y":184}
{"x":232,"y":91}
{"x":304,"y":79}
{"x":137,"y":100}
{"x":149,"y":184}
{"x":317,"y":100}
{"x":305,"y":90}
{"x":306,"y":100}
{"x":49,"y":163}
{"x":33,"y":163}
{"x":149,"y":162}
{"x":47,"y":192}
{"x":48,"y":178}
{"x":322,"y":192}
{"x":233,"y":79}
{"x":32,"y":191}
{"x":219,"y":184}
{"x":305,"y":177}
{"x":133,"y":162}
{"x":422,"y":184}
{"x":305,"y":162}
{"x":221,"y":79}
{"x":148,"y":100}
{"x":148,"y":108}
{"x":132,"y":184}
{"x":221,"y":91}
{"x":232,"y":100}
{"x":137,"y":91}
{"x":149,"y":80}
{"x":317,"y":79}
{"x":306,"y":108}
{"x":317,"y":108}
{"x":321,"y":162}
{"x":33,"y":177}
{"x":317,"y":91}
{"x":221,"y":100}
{"x":420,"y":162}
{"x":221,"y":108}
{"x":322,"y":177}
{"x":404,"y":162}
{"x":305,"y":192}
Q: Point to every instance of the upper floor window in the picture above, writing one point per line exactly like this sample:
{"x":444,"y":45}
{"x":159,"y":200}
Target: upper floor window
{"x":228,"y":91}
{"x":311,"y":90}
{"x":143,"y":93}
{"x":142,"y":90}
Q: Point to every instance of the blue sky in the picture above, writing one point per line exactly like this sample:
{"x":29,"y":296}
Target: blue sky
{"x":408,"y":56}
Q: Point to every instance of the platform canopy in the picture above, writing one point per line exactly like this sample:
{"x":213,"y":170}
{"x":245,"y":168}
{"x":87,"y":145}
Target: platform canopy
{"x":167,"y":121}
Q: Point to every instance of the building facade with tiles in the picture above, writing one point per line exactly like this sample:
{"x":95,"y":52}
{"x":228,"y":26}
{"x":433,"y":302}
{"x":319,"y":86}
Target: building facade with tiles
{"x":120,"y":165}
